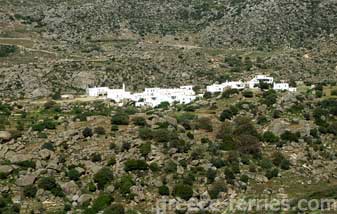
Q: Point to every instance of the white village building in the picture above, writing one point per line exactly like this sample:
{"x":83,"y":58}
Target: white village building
{"x":150,"y":97}
{"x":221,"y":87}
{"x":283,"y":87}
{"x":97,"y":91}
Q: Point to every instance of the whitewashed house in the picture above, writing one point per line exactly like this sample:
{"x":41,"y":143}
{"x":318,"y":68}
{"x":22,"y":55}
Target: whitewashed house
{"x":260,"y":78}
{"x":283,"y":87}
{"x":118,"y":94}
{"x":97,"y":91}
{"x":221,"y":87}
{"x":155,"y":96}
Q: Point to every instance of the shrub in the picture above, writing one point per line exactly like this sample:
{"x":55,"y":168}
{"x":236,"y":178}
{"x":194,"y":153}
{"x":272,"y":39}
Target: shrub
{"x":114,"y":128}
{"x":269,"y":97}
{"x":285,"y":164}
{"x":215,"y":189}
{"x":229,"y":174}
{"x":139,"y":121}
{"x":226,"y":114}
{"x":211,"y":175}
{"x":266,"y":164}
{"x":272,"y":173}
{"x":49,"y":183}
{"x":101,"y":202}
{"x":96,"y":157}
{"x":244,"y":178}
{"x":29,"y":191}
{"x":145,"y":133}
{"x":26,"y":164}
{"x":171,"y":167}
{"x":126,"y":146}
{"x":124,"y":184}
{"x":164,"y":190}
{"x":145,"y":149}
{"x":270,"y":137}
{"x":163,"y":135}
{"x":48,"y":146}
{"x":103,"y":177}
{"x":87,"y":132}
{"x":334,"y":92}
{"x":112,"y":161}
{"x":115,"y":209}
{"x":154,"y":167}
{"x":183,"y":191}
{"x":290,"y":137}
{"x":205,"y":123}
{"x":132,"y":165}
{"x":46,"y":124}
{"x":6,"y":50}
{"x":120,"y":119}
{"x":248,"y":94}
{"x":73,"y":174}
{"x":100,"y":130}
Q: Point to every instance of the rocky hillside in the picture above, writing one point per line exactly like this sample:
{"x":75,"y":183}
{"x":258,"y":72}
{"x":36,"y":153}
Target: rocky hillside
{"x":67,"y":45}
{"x":73,"y":156}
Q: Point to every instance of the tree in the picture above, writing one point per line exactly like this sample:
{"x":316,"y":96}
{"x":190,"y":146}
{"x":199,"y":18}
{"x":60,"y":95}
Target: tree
{"x":73,"y":174}
{"x":87,"y":132}
{"x":30,"y":191}
{"x":132,"y":165}
{"x":270,"y":137}
{"x":183,"y":191}
{"x":49,"y":183}
{"x":164,"y":190}
{"x":120,"y":119}
{"x":103,"y":177}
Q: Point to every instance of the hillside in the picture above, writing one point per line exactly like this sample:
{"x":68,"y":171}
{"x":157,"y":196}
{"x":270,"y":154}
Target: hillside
{"x":67,"y":45}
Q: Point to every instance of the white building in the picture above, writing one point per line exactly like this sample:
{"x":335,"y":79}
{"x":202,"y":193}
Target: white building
{"x":283,"y":87}
{"x":260,"y":78}
{"x":118,"y":94}
{"x":97,"y":91}
{"x":221,"y":87}
{"x":150,"y":97}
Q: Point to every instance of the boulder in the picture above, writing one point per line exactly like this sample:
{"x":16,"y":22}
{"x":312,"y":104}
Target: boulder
{"x":6,"y":169}
{"x":84,"y":199}
{"x":70,"y":187}
{"x":5,"y":136}
{"x":44,"y":154}
{"x":25,"y":180}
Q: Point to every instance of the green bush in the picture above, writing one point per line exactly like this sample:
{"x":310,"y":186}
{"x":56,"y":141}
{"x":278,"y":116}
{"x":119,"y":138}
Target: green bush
{"x":290,"y":137}
{"x":96,"y":157}
{"x":164,"y":190}
{"x":269,"y":97}
{"x":205,"y":123}
{"x":145,"y":149}
{"x":87,"y":132}
{"x":145,"y":133}
{"x":49,"y":183}
{"x":46,"y":124}
{"x":6,"y":50}
{"x":244,"y":178}
{"x":120,"y":119}
{"x":215,"y":189}
{"x":49,"y":146}
{"x":26,"y":164}
{"x":73,"y":174}
{"x":248,"y":94}
{"x":270,"y":137}
{"x":272,"y":173}
{"x":29,"y":191}
{"x":102,"y":202}
{"x":112,"y":161}
{"x":103,"y":177}
{"x":132,"y":165}
{"x":170,"y":167}
{"x":183,"y":191}
{"x":115,"y":209}
{"x":163,"y":135}
{"x":124,"y":184}
{"x":139,"y":121}
{"x":285,"y":164}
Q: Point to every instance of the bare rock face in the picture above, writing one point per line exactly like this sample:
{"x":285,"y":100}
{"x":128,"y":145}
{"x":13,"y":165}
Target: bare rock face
{"x":25,"y":180}
{"x":5,"y":136}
